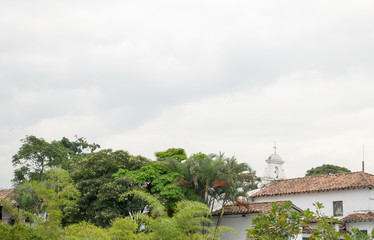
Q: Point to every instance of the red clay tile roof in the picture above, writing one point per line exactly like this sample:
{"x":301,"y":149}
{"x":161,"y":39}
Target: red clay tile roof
{"x":6,"y":195}
{"x":250,"y":208}
{"x":359,"y":217}
{"x":320,"y":183}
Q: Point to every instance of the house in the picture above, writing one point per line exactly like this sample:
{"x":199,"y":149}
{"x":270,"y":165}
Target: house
{"x":240,"y":217}
{"x":341,"y":194}
{"x":362,"y":221}
{"x":349,"y":197}
{"x":5,"y":215}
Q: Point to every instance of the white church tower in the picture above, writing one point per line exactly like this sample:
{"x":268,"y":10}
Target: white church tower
{"x":274,"y":169}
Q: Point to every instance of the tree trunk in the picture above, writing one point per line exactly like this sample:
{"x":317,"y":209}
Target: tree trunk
{"x":219,"y":220}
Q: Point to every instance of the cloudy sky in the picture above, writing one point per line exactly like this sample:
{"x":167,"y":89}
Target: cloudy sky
{"x":207,"y":76}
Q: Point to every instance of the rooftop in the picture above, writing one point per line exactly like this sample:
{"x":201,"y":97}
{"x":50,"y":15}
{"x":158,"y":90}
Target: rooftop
{"x":319,"y":183}
{"x":359,"y":217}
{"x":249,"y":208}
{"x":6,"y":195}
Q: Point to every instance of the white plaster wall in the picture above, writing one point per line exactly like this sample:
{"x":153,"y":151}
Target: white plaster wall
{"x":368,"y":226}
{"x":6,"y":215}
{"x":273,"y":169}
{"x":237,"y":222}
{"x":371,"y":199}
{"x":354,"y":200}
{"x":240,"y":224}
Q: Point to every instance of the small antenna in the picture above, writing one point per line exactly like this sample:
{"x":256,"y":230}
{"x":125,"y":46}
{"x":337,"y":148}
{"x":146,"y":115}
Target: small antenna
{"x":363,"y":158}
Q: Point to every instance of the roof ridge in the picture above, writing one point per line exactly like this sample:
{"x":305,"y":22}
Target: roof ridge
{"x":338,"y":181}
{"x":359,"y":217}
{"x":364,"y":175}
{"x":318,"y":176}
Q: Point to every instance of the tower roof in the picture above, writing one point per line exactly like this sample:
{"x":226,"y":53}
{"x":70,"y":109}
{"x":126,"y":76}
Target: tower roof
{"x":275,"y":157}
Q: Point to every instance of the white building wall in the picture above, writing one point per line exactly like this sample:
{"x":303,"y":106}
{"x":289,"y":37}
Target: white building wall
{"x":6,"y":215}
{"x":354,"y":200}
{"x":239,"y":223}
{"x":368,"y":226}
{"x":371,"y":199}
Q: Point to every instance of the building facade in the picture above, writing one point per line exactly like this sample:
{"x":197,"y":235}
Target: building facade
{"x":5,"y":215}
{"x":348,"y":197}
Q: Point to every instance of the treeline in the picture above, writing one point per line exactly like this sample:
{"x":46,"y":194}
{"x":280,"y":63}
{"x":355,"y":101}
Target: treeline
{"x":71,"y":187}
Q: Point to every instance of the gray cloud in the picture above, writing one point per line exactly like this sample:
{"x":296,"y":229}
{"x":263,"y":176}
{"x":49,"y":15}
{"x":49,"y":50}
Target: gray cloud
{"x":207,"y":76}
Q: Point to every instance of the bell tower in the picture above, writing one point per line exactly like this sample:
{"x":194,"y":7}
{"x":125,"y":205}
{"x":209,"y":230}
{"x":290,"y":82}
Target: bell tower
{"x":274,"y":169}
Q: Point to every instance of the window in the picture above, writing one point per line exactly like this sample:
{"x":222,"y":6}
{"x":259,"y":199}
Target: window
{"x":338,"y":208}
{"x":357,"y":236}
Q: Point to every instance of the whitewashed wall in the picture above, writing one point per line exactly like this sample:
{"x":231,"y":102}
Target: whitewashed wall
{"x":368,"y":226}
{"x":6,"y":215}
{"x":240,"y":224}
{"x":237,"y":222}
{"x":354,"y":200}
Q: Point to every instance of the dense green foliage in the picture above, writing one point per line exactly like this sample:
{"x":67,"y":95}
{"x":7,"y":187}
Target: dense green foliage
{"x":69,"y":190}
{"x":187,"y":223}
{"x":36,"y":156}
{"x":326,"y":169}
{"x":209,"y":179}
{"x":158,"y":179}
{"x":100,"y":201}
{"x":72,"y":190}
{"x":175,"y":153}
{"x":280,"y":223}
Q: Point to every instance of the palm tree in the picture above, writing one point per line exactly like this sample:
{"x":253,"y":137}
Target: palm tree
{"x":241,"y":179}
{"x":215,"y":178}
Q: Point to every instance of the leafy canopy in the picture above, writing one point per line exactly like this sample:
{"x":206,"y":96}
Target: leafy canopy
{"x":36,"y":155}
{"x":176,"y":153}
{"x":326,"y":169}
{"x":100,"y":201}
{"x":157,"y":179}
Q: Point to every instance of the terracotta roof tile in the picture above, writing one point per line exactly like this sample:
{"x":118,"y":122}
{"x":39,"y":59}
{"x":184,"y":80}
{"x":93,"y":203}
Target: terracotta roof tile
{"x":6,"y":194}
{"x":320,"y":183}
{"x":250,"y":208}
{"x":359,"y":217}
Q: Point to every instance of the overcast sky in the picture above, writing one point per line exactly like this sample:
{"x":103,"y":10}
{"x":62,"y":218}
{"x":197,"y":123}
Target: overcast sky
{"x":207,"y":76}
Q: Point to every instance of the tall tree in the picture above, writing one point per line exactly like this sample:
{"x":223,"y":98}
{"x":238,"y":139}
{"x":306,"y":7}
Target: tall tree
{"x":326,"y":169}
{"x":239,"y":179}
{"x":207,"y":170}
{"x":34,"y":157}
{"x":62,"y":184}
{"x":79,"y":146}
{"x":158,"y":179}
{"x":214,"y":177}
{"x":78,"y":149}
{"x":100,"y":201}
